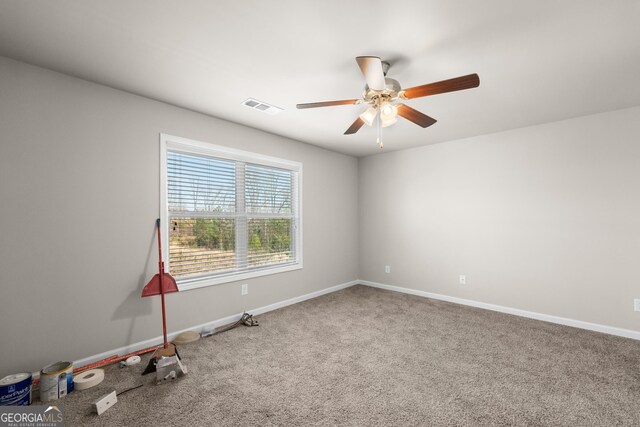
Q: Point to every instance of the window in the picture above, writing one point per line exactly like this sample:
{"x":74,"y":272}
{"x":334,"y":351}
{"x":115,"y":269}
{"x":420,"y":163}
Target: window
{"x":227,"y":214}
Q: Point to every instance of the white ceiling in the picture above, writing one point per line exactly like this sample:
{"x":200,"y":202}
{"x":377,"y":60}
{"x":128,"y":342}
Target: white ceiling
{"x":538,"y":61}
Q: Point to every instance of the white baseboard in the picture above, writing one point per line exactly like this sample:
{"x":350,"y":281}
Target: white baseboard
{"x":627,"y":333}
{"x":208,"y":326}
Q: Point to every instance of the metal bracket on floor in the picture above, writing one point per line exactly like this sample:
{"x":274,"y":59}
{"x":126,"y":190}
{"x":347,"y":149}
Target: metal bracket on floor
{"x":248,"y":320}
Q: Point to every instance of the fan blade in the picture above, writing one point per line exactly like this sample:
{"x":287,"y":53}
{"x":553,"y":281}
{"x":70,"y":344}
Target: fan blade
{"x":451,"y":85}
{"x":415,"y":116}
{"x":329,"y":103}
{"x":355,"y":127}
{"x":371,"y":67}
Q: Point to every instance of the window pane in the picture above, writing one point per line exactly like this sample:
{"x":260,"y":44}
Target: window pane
{"x":267,"y":190}
{"x":200,"y":184}
{"x":201,"y":245}
{"x":269,"y":241}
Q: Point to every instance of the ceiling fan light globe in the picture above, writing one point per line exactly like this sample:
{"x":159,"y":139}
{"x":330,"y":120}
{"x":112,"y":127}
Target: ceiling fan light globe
{"x":388,"y":121}
{"x":369,"y":116}
{"x":388,"y":111}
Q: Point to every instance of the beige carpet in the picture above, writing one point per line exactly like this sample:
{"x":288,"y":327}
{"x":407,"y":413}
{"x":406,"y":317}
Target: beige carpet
{"x":365,"y":357}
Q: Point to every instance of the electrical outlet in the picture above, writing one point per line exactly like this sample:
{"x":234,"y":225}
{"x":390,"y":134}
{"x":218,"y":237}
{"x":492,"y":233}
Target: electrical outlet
{"x":245,"y":289}
{"x":463,"y":279}
{"x":105,"y":402}
{"x":387,"y":269}
{"x":636,"y":304}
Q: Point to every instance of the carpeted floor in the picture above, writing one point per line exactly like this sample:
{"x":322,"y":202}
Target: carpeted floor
{"x":369,"y":357}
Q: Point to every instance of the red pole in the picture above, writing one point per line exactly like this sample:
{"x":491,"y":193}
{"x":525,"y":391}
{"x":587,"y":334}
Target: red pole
{"x":161,"y":273}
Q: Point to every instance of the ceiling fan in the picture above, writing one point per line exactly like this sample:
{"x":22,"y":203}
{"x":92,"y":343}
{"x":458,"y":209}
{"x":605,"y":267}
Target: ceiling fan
{"x":383,"y":93}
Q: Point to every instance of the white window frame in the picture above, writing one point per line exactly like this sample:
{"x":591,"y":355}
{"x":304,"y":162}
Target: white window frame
{"x":190,"y":146}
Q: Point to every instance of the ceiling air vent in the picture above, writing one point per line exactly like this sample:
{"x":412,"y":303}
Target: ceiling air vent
{"x":262,"y":106}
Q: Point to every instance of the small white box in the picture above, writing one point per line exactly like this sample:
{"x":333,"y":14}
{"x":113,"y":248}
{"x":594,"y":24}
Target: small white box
{"x":105,"y":402}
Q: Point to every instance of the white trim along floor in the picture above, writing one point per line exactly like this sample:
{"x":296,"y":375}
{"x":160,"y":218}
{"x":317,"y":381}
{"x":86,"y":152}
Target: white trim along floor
{"x":204,"y":327}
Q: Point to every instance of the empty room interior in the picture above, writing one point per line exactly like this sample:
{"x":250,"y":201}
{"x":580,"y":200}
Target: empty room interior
{"x":295,"y":213}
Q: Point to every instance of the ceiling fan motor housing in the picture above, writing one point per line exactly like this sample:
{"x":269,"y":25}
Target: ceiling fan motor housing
{"x":390,"y":92}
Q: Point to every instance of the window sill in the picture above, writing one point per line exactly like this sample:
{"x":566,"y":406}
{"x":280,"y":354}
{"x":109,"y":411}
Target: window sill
{"x":189,"y":284}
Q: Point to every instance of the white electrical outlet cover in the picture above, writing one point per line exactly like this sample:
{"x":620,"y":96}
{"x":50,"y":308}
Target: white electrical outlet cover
{"x":463,"y":279}
{"x":105,"y":402}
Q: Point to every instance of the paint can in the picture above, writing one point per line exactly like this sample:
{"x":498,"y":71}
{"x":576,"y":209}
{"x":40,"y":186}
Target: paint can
{"x":56,"y":381}
{"x":15,"y":390}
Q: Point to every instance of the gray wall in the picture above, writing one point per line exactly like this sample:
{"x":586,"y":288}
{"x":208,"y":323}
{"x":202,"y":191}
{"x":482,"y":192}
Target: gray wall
{"x":544,"y":218}
{"x":79,"y":193}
